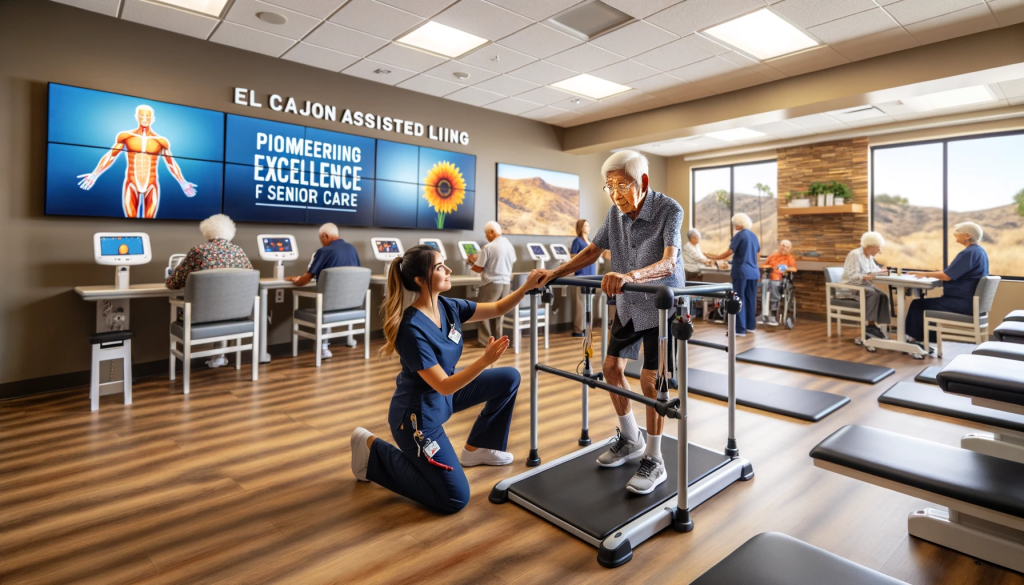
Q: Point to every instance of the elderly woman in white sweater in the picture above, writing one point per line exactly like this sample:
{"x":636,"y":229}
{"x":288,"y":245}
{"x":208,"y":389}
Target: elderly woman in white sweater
{"x":860,"y":269}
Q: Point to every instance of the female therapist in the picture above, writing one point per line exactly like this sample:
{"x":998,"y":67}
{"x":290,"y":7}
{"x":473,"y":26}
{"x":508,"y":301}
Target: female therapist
{"x":745,"y":273}
{"x":428,"y":339}
{"x":578,"y":245}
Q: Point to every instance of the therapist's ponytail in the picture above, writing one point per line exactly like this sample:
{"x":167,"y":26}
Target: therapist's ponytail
{"x":418,"y":261}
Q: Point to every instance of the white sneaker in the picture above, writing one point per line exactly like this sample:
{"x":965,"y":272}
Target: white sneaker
{"x":360,"y":453}
{"x":651,"y":474}
{"x":325,"y":353}
{"x":773,"y":321}
{"x":216,"y":362}
{"x":350,"y":342}
{"x":484,"y":457}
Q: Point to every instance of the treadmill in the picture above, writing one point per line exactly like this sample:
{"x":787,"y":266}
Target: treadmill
{"x":589,"y":501}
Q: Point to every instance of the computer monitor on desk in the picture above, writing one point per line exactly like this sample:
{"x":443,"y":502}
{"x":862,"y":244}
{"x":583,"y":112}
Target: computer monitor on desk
{"x":538,"y":253}
{"x":121,"y":249}
{"x":277,"y":248}
{"x":560,"y":253}
{"x":435,"y":244}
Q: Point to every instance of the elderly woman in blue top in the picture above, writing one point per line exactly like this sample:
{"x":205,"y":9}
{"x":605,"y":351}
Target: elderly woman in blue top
{"x":428,"y":339}
{"x":745,"y":272}
{"x":642,"y":232}
{"x":959,"y":280}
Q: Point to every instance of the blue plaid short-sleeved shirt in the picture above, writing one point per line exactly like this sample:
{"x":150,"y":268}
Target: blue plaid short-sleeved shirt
{"x":641,"y":242}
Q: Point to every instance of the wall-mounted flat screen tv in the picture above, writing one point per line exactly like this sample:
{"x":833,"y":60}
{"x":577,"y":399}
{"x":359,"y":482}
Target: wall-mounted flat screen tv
{"x":537,"y":202}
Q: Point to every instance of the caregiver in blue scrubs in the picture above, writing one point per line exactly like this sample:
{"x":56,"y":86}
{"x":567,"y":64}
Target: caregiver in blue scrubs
{"x":427,"y":336}
{"x":745,"y":273}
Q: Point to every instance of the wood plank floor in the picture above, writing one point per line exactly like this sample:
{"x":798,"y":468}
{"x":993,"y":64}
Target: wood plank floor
{"x":245,"y":482}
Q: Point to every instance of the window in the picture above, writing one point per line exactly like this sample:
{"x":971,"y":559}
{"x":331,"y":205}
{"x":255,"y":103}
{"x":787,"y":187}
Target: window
{"x":721,"y":192}
{"x":921,"y":191}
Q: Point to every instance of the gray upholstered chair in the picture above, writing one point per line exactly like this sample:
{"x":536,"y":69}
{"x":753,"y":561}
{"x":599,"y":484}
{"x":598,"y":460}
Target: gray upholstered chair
{"x":971,"y":328}
{"x":342,"y":299}
{"x":219,"y":305}
{"x":840,"y":309}
{"x":519,"y":318}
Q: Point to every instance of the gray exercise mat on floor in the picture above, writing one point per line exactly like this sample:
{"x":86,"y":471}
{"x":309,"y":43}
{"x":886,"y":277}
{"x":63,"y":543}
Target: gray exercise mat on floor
{"x":809,"y":405}
{"x":853,"y":371}
{"x":932,"y":399}
{"x":927,"y":375}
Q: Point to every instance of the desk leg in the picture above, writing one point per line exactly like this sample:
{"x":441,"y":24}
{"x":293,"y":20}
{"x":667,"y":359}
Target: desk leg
{"x":264,"y":326}
{"x":901,"y":315}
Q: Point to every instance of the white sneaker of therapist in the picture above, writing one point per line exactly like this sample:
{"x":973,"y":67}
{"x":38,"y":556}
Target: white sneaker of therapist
{"x":484,"y":457}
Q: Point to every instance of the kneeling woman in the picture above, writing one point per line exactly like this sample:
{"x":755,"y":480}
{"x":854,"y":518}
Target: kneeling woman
{"x":428,"y":339}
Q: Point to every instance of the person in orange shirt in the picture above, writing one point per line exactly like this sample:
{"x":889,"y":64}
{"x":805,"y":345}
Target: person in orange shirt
{"x":780,"y":262}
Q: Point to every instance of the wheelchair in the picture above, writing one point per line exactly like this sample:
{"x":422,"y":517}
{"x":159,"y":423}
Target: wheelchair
{"x":785,"y":314}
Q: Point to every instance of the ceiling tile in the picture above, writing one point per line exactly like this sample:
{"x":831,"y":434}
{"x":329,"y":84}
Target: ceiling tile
{"x":167,"y":18}
{"x":818,"y":123}
{"x":584,"y":58}
{"x":315,"y":56}
{"x":366,"y":68}
{"x":446,"y":70}
{"x":406,"y":58}
{"x":881,"y":43}
{"x":318,"y":8}
{"x":375,"y":18}
{"x":957,"y":24}
{"x":250,"y":39}
{"x":543,"y":73}
{"x":482,"y":19}
{"x":815,"y":59}
{"x":733,"y":80}
{"x":695,"y":15}
{"x":539,"y":41}
{"x":542,"y":112}
{"x":497,"y":58}
{"x":705,"y":69}
{"x":1012,"y":89}
{"x":641,"y":8}
{"x":707,"y":44}
{"x":673,"y":55}
{"x":657,"y":83}
{"x":911,"y":11}
{"x":346,"y":40}
{"x":1008,"y":11}
{"x":633,"y":39}
{"x":853,"y":27}
{"x":506,"y":85}
{"x":108,"y":7}
{"x":574,"y":102}
{"x":430,"y":85}
{"x":511,"y":106}
{"x":534,"y":9}
{"x":781,"y":129}
{"x":474,"y":96}
{"x":624,"y":72}
{"x":296,"y":26}
{"x":807,"y":13}
{"x":424,"y":8}
{"x":545,"y":95}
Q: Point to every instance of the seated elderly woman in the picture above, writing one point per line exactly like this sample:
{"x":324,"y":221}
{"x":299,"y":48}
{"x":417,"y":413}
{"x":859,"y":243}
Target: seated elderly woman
{"x":781,"y":262}
{"x":860,"y":269}
{"x":693,"y":257}
{"x":959,"y":280}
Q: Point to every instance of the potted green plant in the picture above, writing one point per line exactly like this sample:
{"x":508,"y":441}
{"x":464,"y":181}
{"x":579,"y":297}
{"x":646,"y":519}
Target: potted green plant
{"x":843,"y":193}
{"x":818,"y":190}
{"x":797,"y":199}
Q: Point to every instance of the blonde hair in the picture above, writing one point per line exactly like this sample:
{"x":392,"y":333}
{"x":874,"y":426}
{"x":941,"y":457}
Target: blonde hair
{"x":417,"y":262}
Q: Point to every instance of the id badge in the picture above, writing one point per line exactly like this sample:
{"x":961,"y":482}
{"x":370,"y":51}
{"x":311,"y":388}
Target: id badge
{"x":455,"y":335}
{"x":431,"y":449}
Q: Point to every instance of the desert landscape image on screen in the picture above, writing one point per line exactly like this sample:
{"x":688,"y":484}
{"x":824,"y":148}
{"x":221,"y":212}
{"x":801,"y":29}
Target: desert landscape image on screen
{"x":537,"y":202}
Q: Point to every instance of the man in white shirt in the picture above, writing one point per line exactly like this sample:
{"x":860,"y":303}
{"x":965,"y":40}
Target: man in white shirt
{"x":494,"y":264}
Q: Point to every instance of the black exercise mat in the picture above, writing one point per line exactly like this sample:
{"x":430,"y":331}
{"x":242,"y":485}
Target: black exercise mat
{"x":932,"y":399}
{"x":852,"y":371}
{"x":928,"y":375}
{"x":594,"y":499}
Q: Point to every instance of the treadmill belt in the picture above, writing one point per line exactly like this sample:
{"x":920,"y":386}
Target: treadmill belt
{"x":928,"y":375}
{"x":843,"y":370}
{"x":932,"y":399}
{"x":594,"y":499}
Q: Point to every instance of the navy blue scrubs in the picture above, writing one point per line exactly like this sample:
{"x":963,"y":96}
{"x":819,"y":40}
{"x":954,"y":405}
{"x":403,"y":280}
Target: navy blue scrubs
{"x":745,"y":276}
{"x":964,"y":272}
{"x":422,"y":345}
{"x":578,"y":245}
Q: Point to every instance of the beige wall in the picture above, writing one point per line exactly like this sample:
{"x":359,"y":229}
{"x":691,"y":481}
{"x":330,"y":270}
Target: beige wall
{"x":43,"y":323}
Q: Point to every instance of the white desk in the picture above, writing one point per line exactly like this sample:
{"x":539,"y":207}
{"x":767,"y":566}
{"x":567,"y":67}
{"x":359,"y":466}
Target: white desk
{"x":901,"y":283}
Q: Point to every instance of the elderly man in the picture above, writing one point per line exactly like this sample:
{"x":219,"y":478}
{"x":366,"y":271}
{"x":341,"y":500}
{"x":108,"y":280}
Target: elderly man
{"x":333,"y":253}
{"x":642,"y":232}
{"x":494,"y":264}
{"x":860,"y":269}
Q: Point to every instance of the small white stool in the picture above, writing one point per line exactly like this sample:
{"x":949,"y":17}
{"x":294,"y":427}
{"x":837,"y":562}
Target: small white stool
{"x":110,"y":345}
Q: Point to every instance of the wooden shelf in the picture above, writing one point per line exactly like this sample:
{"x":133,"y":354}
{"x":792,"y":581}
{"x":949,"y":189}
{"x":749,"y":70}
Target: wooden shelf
{"x":848,"y":208}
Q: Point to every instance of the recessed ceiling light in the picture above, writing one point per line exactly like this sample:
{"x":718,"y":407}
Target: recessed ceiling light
{"x":591,"y":87}
{"x":953,"y":98}
{"x":208,"y":7}
{"x":736,"y":134}
{"x":271,"y":17}
{"x":762,"y":34}
{"x":439,"y":39}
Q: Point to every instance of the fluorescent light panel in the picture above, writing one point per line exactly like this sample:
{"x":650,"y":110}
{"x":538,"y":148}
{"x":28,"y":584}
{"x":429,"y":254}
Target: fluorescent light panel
{"x":953,"y":98}
{"x":736,"y":134}
{"x":762,"y":34}
{"x":591,"y":87}
{"x":439,"y":39}
{"x":208,"y":7}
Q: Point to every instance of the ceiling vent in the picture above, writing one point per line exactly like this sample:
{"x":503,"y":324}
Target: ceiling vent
{"x":857,"y":113}
{"x":589,"y":20}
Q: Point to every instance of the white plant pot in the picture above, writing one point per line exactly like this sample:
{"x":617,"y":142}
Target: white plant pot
{"x":840,"y":201}
{"x":821,"y":200}
{"x":830,"y":199}
{"x":800,"y":202}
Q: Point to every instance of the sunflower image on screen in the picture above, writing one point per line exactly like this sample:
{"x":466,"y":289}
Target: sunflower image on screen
{"x":445,"y":189}
{"x":143,"y":148}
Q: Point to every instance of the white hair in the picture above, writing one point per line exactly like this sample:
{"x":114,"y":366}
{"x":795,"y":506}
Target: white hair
{"x":218,"y":226}
{"x":492,"y":226}
{"x":693,"y":232}
{"x":330,"y":229}
{"x":971,"y":229}
{"x":785,"y":243}
{"x":871,"y":239}
{"x":742,"y":220}
{"x":631,"y":162}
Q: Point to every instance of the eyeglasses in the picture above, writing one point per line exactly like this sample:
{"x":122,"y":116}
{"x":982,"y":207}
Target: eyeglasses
{"x":622,"y":188}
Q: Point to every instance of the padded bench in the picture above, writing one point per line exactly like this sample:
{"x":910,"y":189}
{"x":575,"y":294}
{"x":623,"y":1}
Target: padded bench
{"x":771,"y":558}
{"x":1001,"y":349}
{"x":975,"y":487}
{"x":1010,"y":331}
{"x":1017,"y":316}
{"x":985,"y":380}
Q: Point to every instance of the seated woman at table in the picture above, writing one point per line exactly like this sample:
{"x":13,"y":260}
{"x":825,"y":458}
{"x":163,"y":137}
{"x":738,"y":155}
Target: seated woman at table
{"x":693,"y":257}
{"x":860,"y":269}
{"x":745,"y":273}
{"x":959,"y":280}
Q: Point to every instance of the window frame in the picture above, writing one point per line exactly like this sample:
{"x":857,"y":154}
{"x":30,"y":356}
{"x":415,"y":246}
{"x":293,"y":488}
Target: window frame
{"x":732,"y":184}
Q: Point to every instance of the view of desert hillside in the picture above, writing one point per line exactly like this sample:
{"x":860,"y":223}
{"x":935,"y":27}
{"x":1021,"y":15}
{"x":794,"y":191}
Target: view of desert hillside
{"x":534,"y":207}
{"x":913,"y":236}
{"x":714,"y":222}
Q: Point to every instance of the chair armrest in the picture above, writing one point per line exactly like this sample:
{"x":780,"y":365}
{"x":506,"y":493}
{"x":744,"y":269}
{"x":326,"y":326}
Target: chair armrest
{"x":305,"y":294}
{"x":840,"y":285}
{"x":176,"y":302}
